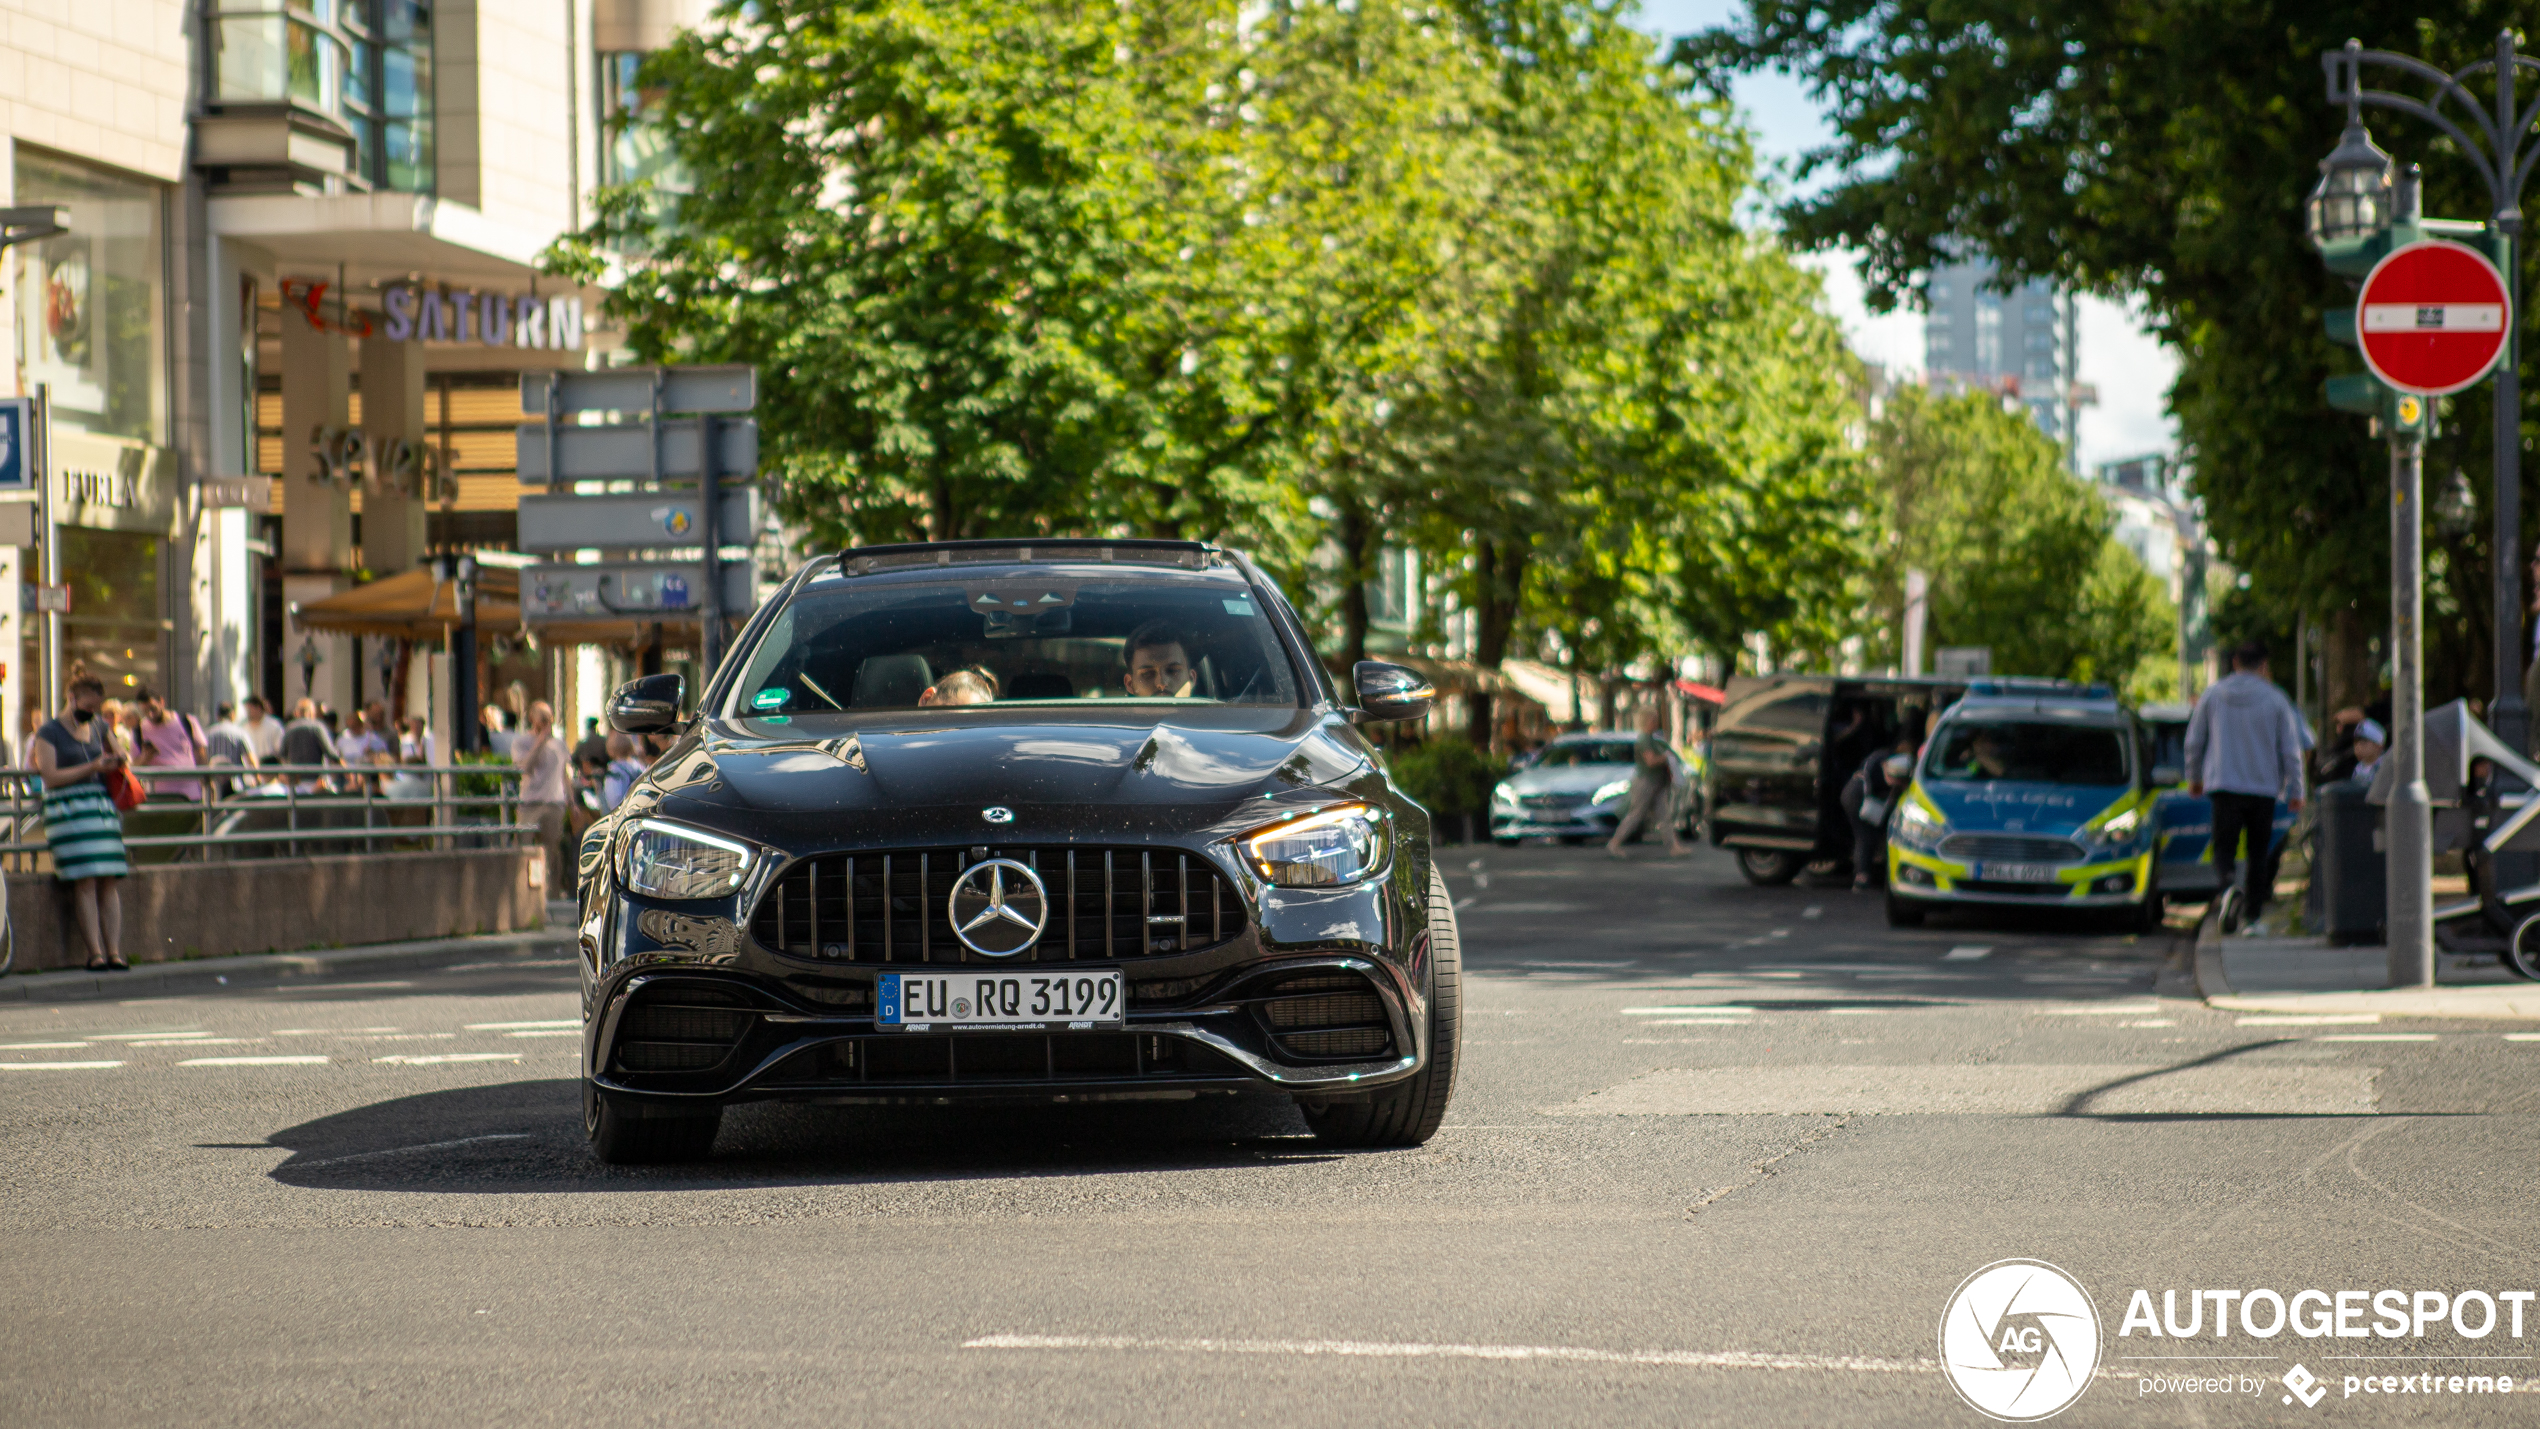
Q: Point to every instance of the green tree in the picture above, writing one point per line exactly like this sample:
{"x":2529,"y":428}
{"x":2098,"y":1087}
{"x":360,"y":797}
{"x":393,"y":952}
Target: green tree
{"x":2018,"y":550}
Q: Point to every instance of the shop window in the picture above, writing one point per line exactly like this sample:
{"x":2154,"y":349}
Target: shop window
{"x":90,"y":306}
{"x":112,"y":630}
{"x":367,"y":64}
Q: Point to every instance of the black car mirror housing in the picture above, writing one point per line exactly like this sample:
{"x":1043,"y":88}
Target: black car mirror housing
{"x":1391,"y":692}
{"x":648,"y":705}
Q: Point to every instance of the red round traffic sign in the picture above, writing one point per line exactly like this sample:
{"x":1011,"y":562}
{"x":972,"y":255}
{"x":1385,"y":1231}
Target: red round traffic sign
{"x":2432,"y":318}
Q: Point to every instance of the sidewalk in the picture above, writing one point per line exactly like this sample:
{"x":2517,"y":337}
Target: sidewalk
{"x":196,"y":976}
{"x":2306,"y":975}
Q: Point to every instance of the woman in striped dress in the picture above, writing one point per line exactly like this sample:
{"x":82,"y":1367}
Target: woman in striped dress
{"x":81,"y":822}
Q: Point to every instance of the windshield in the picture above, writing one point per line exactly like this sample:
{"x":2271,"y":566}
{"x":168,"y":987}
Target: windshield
{"x":1586,"y":751}
{"x":2029,"y":751}
{"x":1007,"y":635}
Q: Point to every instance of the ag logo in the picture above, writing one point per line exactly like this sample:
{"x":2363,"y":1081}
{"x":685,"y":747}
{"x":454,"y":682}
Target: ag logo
{"x":2019,"y":1341}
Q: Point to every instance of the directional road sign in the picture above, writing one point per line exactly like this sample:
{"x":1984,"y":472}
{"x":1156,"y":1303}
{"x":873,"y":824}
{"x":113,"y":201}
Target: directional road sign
{"x":626,"y":453}
{"x":17,"y":435}
{"x":630,"y":389}
{"x":627,"y":591}
{"x":2433,"y":317}
{"x":632,"y":521}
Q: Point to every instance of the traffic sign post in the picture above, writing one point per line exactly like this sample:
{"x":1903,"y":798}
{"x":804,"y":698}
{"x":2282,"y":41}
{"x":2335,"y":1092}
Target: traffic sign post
{"x":2431,"y":317}
{"x":706,"y":443}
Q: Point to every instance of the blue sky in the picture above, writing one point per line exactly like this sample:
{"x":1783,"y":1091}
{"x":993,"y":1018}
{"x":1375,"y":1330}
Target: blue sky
{"x":2130,"y":369}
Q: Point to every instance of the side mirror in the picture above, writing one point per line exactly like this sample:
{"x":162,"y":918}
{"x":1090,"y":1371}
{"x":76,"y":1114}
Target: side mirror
{"x":2165,"y":775}
{"x":1388,"y":692}
{"x":648,"y":705}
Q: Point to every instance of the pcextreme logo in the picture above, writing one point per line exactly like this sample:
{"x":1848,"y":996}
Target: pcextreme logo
{"x":2019,"y":1341}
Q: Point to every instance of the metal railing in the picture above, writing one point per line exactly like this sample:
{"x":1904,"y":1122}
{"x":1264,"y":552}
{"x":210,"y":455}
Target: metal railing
{"x":286,"y":810}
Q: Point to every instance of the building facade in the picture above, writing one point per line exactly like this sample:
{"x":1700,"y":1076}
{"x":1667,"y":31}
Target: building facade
{"x":301,"y":242}
{"x":2022,"y":342}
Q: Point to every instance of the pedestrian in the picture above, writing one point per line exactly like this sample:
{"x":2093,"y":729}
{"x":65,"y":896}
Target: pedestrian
{"x":498,"y":734}
{"x":263,"y":730}
{"x":2370,"y":740}
{"x":166,"y":740}
{"x":415,"y":744}
{"x":307,"y":744}
{"x":81,"y":824}
{"x":2244,"y":751}
{"x":593,"y":751}
{"x":360,"y":740}
{"x":1653,"y":774}
{"x":231,"y":746}
{"x":1868,"y":796}
{"x":625,"y":767}
{"x":541,"y":757}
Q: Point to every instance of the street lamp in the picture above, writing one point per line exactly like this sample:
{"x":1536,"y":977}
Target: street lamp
{"x":2353,"y":197}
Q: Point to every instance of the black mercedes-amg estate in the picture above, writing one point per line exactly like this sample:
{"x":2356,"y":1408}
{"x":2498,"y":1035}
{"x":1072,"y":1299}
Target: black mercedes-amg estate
{"x":1063,"y":821}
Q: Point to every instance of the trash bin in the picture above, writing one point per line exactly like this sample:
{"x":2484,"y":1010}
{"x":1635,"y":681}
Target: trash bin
{"x":2349,"y":876}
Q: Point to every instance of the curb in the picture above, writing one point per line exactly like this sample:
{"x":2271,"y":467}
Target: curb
{"x":2210,"y":982}
{"x":270,"y":970}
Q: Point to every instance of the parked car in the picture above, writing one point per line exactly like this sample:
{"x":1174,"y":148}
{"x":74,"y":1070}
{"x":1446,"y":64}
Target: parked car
{"x":1780,"y":751}
{"x":1578,"y":787}
{"x":2029,"y":796}
{"x":1058,"y":822}
{"x":2187,"y":820}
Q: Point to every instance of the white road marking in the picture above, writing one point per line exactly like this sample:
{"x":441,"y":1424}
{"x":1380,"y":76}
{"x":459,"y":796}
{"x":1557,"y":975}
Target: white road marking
{"x":1540,"y":963}
{"x":574,"y":1031}
{"x":508,"y":1026}
{"x":427,"y":1146}
{"x":40,"y":1046}
{"x":198,"y":1042}
{"x":1463,"y":904}
{"x":1969,"y":953}
{"x":1812,"y":911}
{"x":1700,"y":1022}
{"x":2312,"y":1019}
{"x":2156,"y":1022}
{"x":408,"y":1037}
{"x":1538,"y":908}
{"x":429,"y":1060}
{"x":2380,"y":1037}
{"x":1706,"y":1007}
{"x":1990,"y":1089}
{"x":1855,"y":1011}
{"x":327,"y":1031}
{"x":41,"y":1066}
{"x":1374,"y":1349}
{"x":253,"y":1062}
{"x":2120,"y":1011}
{"x":141,"y":1036}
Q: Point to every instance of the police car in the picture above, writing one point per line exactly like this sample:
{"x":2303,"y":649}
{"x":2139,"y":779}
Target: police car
{"x":2029,"y":793}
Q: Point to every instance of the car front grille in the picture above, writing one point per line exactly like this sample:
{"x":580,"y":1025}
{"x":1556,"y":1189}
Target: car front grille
{"x":2008,"y":848}
{"x":1551,"y":803}
{"x":2014,"y":890}
{"x":679,"y":1029}
{"x":989,"y":1058}
{"x":891,"y":906}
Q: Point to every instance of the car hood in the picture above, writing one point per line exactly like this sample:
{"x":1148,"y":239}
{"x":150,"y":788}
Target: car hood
{"x":2005,"y":807}
{"x":1567,"y":779}
{"x":1060,"y":772}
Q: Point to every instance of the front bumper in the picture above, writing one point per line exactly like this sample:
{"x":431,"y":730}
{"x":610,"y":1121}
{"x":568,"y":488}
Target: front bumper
{"x":2100,"y":883}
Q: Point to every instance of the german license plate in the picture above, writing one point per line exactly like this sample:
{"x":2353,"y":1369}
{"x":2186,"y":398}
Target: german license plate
{"x":1005,"y":1002}
{"x":2020,"y":872}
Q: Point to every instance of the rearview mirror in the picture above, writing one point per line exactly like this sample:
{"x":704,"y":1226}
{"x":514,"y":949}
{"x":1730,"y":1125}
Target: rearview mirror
{"x":2164,"y":775}
{"x":1388,"y":692}
{"x":648,"y":705}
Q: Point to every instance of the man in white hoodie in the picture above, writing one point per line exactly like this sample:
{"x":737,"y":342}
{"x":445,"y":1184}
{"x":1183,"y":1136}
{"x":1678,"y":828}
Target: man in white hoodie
{"x":2244,"y":751}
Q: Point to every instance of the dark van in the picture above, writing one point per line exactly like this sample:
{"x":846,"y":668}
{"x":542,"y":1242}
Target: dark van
{"x":1781,"y":750}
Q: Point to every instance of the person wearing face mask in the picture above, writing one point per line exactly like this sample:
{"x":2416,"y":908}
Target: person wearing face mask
{"x":73,"y":753}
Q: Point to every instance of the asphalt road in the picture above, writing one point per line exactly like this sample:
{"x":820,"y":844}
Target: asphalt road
{"x":1719,"y":1155}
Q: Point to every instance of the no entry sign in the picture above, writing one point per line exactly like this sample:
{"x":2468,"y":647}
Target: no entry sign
{"x":2432,"y":317}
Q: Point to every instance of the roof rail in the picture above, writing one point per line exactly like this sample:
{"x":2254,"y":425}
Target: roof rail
{"x":1074,"y":550}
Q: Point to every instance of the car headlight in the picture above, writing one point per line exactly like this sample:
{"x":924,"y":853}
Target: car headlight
{"x":2119,"y":831}
{"x":1614,"y":790}
{"x":1918,"y":827}
{"x":1502,"y":794}
{"x":671,"y":861}
{"x":1324,"y":849}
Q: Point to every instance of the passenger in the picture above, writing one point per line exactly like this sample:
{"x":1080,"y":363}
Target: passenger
{"x":973,"y":686}
{"x":1159,"y":662}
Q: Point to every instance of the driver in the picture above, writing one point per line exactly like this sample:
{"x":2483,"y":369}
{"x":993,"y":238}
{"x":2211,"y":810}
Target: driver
{"x":1993,"y":753}
{"x":1159,"y":662}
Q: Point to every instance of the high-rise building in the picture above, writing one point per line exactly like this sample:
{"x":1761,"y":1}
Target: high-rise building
{"x":2024,"y":343}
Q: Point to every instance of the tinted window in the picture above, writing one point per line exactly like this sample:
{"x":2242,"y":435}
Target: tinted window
{"x":2028,"y":751}
{"x":1585,"y":751}
{"x":1005,"y":634}
{"x":1798,"y":713}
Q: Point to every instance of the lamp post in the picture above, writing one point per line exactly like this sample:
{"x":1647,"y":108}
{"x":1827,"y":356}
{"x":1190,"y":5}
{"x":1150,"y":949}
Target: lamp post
{"x":2350,"y":204}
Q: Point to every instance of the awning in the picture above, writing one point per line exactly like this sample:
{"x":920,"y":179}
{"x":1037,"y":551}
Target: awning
{"x":1706,"y":693}
{"x":411,"y":605}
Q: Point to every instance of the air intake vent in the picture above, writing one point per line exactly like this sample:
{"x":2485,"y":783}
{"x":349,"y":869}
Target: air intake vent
{"x":890,"y":907}
{"x":1340,"y":1009}
{"x":1338,"y":1018}
{"x":1355,"y":1042}
{"x":679,"y":1029}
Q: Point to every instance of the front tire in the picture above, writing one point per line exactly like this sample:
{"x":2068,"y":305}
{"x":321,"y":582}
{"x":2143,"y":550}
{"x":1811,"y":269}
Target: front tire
{"x":1904,"y":912}
{"x":621,"y":1136}
{"x":1768,"y":867}
{"x":1408,"y":1113}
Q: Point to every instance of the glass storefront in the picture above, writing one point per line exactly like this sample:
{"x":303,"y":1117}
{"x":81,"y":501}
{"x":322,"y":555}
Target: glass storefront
{"x":112,"y":630}
{"x":90,"y":301}
{"x":365,"y":63}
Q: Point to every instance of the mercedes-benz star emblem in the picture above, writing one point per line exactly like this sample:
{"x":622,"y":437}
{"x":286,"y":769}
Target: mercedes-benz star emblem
{"x":998,"y":908}
{"x":997,"y":814}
